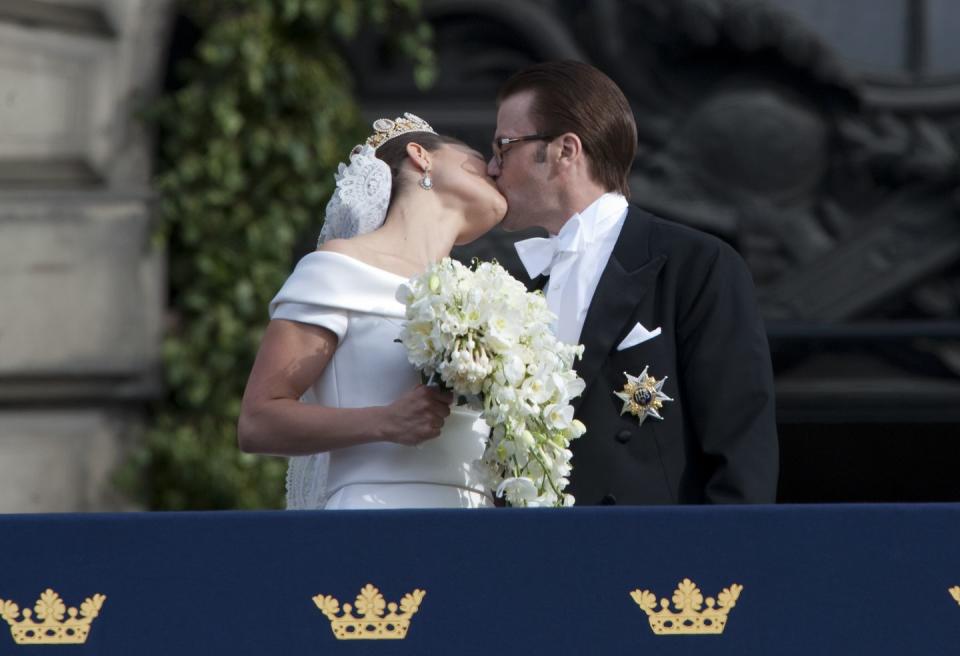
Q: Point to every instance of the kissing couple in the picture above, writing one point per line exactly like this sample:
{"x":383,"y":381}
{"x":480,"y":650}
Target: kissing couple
{"x":678,"y":401}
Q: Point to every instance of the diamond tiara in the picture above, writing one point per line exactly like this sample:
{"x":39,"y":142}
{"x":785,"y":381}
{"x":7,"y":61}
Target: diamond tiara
{"x":385,"y":129}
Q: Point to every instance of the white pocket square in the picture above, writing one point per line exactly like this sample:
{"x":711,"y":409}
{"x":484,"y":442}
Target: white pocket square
{"x":638,"y":335}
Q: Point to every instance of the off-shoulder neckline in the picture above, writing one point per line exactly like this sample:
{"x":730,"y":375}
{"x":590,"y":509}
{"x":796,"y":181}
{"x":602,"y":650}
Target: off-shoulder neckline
{"x":362,"y":263}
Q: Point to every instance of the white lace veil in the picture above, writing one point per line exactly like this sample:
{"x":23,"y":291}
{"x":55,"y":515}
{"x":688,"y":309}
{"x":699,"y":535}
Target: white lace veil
{"x":359,"y":202}
{"x":359,"y":205}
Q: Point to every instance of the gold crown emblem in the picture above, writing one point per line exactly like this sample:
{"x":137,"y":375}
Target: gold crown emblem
{"x":955,"y":593}
{"x":385,"y":129}
{"x":688,"y":600}
{"x":52,"y":629}
{"x":370,"y":623}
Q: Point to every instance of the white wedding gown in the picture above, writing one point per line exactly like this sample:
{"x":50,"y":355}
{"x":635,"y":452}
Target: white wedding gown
{"x":357,"y":302}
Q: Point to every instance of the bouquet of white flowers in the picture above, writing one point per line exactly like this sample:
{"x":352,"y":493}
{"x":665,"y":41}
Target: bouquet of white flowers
{"x":487,"y":338}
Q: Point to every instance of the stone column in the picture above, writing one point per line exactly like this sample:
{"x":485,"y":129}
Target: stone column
{"x":81,"y":286}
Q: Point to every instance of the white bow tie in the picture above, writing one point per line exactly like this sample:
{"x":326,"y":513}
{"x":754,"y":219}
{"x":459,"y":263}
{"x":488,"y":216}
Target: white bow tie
{"x":539,"y":254}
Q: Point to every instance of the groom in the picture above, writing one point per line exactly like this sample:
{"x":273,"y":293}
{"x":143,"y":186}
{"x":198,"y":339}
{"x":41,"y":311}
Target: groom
{"x":679,"y":402}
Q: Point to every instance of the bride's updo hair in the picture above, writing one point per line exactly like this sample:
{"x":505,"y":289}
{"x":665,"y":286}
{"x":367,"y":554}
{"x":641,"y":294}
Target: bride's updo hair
{"x":394,"y":153}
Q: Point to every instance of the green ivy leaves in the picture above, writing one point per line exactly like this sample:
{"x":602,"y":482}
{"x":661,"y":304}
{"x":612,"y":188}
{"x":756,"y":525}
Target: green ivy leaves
{"x":249,"y":144}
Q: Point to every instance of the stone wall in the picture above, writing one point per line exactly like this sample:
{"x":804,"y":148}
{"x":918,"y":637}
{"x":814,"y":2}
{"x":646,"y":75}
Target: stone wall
{"x":81,"y":287}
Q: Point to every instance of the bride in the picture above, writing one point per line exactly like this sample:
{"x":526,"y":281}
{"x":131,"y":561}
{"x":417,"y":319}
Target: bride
{"x":330,"y":386}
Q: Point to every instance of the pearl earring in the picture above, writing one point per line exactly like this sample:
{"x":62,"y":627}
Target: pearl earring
{"x":426,"y":182}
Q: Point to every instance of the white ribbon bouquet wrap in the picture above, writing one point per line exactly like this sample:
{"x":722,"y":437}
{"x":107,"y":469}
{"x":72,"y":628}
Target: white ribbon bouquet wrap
{"x":489,"y":339}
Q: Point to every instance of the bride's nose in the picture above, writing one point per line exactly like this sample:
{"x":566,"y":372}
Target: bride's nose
{"x":493,"y":168}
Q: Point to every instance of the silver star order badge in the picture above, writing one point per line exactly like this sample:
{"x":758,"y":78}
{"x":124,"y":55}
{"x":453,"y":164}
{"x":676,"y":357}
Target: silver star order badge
{"x":642,"y":396}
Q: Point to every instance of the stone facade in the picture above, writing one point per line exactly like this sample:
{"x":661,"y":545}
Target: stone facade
{"x":81,"y":288}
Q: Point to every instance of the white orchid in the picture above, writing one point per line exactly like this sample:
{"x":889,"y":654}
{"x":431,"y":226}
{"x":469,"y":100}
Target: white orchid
{"x":518,"y":490}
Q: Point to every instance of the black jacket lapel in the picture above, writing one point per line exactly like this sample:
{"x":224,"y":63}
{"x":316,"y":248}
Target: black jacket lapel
{"x":629,"y":273}
{"x":538,"y":283}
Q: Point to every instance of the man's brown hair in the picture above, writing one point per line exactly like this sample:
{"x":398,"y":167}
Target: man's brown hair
{"x":570,"y":96}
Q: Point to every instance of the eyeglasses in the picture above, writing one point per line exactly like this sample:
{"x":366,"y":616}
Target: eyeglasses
{"x":500,"y":142}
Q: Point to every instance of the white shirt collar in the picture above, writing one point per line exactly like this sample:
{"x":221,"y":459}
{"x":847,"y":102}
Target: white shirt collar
{"x":581,"y":230}
{"x":601,"y":215}
{"x":591,"y":224}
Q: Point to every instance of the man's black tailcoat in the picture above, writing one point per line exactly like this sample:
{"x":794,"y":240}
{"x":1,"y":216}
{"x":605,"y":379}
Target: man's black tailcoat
{"x":717,"y":442}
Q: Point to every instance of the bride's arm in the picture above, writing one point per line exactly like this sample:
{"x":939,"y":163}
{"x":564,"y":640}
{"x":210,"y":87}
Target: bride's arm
{"x":292,"y":356}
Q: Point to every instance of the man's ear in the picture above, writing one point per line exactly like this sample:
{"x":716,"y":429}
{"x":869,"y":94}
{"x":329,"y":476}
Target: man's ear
{"x":419,"y":156}
{"x":570,"y":147}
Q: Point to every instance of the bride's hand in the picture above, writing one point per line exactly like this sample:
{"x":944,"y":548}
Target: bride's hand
{"x":417,"y":416}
